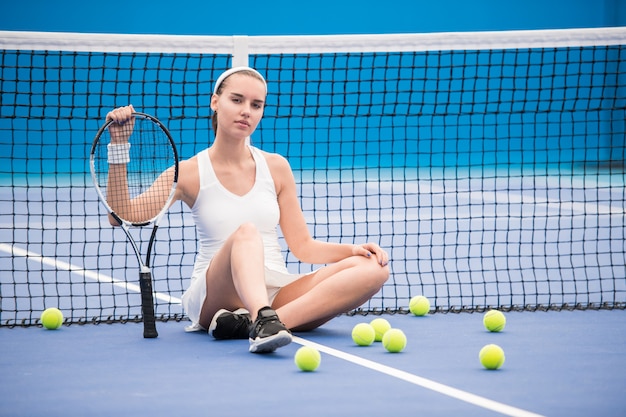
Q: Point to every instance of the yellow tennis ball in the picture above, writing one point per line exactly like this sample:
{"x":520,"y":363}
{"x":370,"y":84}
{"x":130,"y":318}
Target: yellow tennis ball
{"x":363,"y":334}
{"x":491,"y":356}
{"x":307,"y":358}
{"x":494,"y":321}
{"x":52,"y":318}
{"x":394,"y":340}
{"x":380,"y":326}
{"x":419,"y":305}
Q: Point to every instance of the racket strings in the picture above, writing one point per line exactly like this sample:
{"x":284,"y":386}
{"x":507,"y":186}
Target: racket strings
{"x":137,"y":191}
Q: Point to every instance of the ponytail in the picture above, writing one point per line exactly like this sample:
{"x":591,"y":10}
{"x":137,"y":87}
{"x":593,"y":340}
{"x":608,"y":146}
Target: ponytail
{"x":214,"y":122}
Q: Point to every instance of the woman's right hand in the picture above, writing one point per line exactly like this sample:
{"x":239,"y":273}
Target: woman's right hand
{"x":120,"y":131}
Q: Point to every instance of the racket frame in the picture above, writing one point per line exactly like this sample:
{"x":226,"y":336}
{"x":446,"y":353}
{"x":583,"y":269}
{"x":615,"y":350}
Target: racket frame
{"x":145,"y":274}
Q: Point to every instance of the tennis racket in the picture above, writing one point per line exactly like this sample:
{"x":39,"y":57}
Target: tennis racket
{"x":134,"y":167}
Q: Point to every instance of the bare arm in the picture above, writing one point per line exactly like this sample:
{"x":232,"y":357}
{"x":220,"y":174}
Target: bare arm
{"x":296,"y":232}
{"x":148,"y":204}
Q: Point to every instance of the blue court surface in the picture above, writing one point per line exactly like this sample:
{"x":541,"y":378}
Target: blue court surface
{"x":567,"y":363}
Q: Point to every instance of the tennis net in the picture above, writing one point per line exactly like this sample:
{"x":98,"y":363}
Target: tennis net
{"x":489,"y":165}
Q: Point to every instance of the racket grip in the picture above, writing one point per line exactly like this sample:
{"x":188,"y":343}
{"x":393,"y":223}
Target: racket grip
{"x":147,"y":305}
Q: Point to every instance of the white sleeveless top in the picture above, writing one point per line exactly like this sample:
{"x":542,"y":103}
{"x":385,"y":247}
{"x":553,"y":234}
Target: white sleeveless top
{"x":218,"y":213}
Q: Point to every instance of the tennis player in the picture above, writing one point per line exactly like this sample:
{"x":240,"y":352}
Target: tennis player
{"x":238,"y":195}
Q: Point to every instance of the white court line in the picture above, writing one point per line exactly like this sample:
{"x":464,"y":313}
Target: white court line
{"x":64,"y":266}
{"x":393,"y":372}
{"x":422,"y":382}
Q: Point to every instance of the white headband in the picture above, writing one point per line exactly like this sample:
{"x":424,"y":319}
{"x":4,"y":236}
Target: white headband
{"x":234,"y":70}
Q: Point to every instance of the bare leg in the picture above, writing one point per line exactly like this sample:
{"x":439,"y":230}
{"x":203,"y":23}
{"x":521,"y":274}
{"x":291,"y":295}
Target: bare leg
{"x":236,"y":276}
{"x":316,"y":298}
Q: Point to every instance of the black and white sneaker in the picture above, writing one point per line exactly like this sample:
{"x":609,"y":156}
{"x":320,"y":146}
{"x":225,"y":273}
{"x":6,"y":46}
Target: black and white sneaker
{"x":268,"y":333}
{"x":230,"y":324}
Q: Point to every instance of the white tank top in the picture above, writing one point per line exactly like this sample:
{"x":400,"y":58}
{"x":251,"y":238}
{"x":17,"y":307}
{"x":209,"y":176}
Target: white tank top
{"x":218,"y":213}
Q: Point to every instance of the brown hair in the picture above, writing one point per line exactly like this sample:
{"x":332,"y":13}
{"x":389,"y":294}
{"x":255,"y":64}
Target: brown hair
{"x":221,"y":86}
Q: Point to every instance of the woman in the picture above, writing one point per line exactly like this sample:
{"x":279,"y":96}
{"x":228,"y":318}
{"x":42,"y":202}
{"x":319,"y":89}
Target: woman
{"x":238,"y":195}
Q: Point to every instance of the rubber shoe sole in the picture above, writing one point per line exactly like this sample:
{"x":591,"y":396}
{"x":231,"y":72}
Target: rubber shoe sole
{"x":270,"y":343}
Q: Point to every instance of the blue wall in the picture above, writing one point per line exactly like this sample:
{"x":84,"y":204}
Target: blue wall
{"x":211,"y":17}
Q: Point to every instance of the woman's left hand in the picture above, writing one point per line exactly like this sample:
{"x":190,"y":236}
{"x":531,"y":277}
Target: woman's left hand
{"x":369,"y":249}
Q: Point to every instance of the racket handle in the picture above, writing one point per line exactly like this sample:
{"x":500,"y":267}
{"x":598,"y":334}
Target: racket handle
{"x":147,"y":305}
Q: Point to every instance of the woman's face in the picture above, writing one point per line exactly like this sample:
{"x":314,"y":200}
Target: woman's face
{"x":240,"y":105}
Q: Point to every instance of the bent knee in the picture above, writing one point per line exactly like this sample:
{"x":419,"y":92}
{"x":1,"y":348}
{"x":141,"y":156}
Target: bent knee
{"x":376,"y":274}
{"x":382,"y":274}
{"x":247,"y":230}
